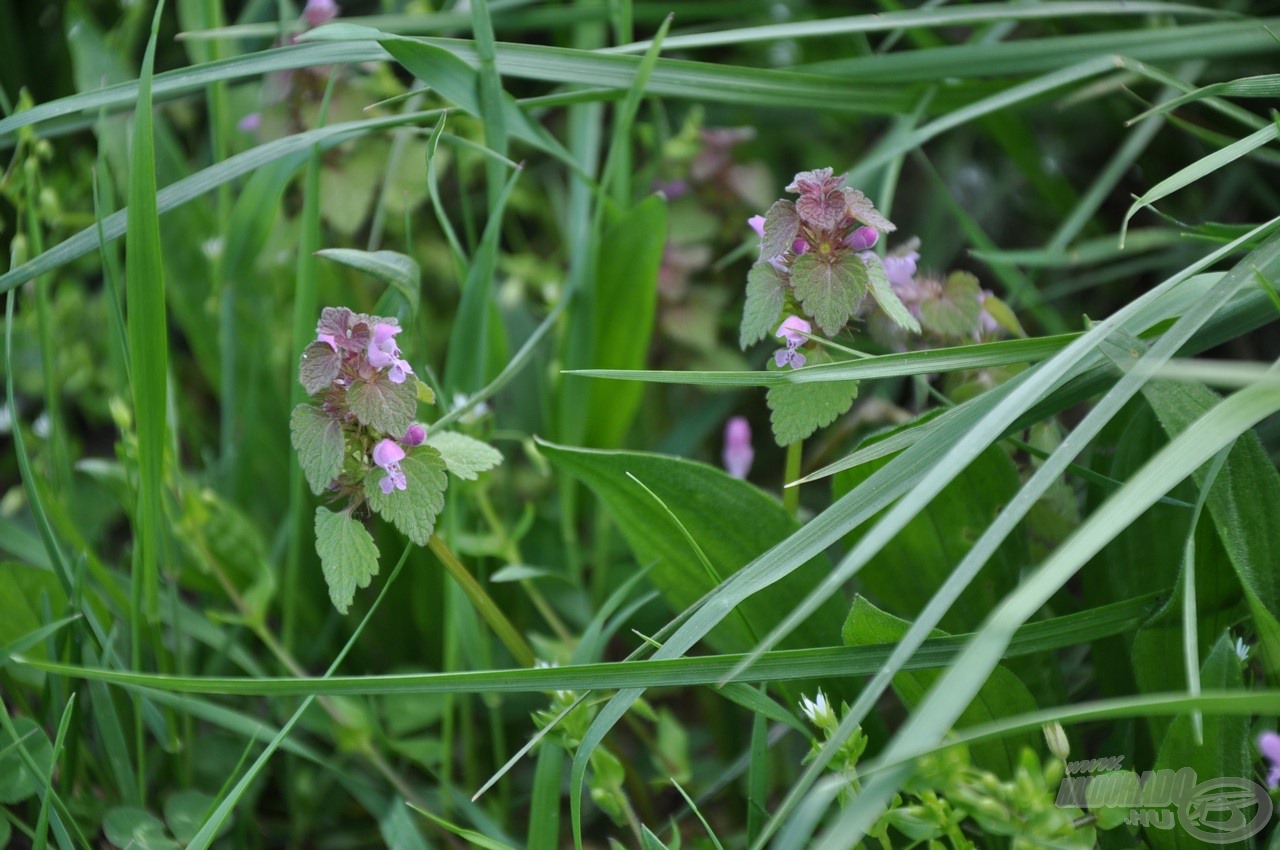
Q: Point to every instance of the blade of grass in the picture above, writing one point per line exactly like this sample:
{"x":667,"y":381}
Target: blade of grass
{"x":777,"y":666}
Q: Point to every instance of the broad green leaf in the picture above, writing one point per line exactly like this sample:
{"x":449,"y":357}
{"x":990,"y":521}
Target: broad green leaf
{"x":185,"y":811}
{"x":1003,"y":695}
{"x":781,"y":225}
{"x":957,"y":313}
{"x":391,"y":267}
{"x":414,"y":509}
{"x":318,"y":366}
{"x":731,"y":520}
{"x":465,"y":457}
{"x":347,"y":553}
{"x":383,"y":405}
{"x":1244,"y":505}
{"x":136,"y":829}
{"x":1227,"y":750}
{"x":888,"y":300}
{"x":906,"y":573}
{"x":6,"y":832}
{"x":799,"y":409}
{"x":766,"y":293}
{"x":624,"y":304}
{"x":16,"y":780}
{"x":317,"y":438}
{"x":830,"y":288}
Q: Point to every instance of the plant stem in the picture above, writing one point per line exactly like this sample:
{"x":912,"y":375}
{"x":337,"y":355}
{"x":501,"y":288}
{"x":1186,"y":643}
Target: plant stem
{"x":484,"y":603}
{"x":791,"y":495}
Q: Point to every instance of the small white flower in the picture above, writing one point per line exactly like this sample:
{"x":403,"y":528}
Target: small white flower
{"x":818,"y":709}
{"x":472,"y":415}
{"x":1242,"y":650}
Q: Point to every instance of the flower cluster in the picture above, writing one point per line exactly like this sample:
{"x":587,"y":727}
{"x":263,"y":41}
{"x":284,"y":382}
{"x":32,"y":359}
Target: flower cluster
{"x":816,"y":266}
{"x":367,"y":397}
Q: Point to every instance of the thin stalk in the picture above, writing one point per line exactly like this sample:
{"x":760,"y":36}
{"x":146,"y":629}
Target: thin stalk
{"x":483,"y":603}
{"x":791,"y":495}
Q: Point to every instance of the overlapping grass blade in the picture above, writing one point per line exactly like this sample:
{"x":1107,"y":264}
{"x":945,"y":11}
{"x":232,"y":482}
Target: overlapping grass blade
{"x":934,"y":717}
{"x":784,"y":665}
{"x":977,"y":13}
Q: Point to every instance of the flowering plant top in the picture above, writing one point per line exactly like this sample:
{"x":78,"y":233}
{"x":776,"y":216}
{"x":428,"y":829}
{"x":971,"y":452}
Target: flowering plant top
{"x":358,"y":442}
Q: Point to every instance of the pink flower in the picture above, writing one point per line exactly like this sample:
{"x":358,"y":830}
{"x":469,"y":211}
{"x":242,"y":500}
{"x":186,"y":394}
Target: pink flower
{"x":328,"y":339}
{"x":901,"y":270}
{"x":1269,"y":746}
{"x":414,"y":435}
{"x":384,"y":352}
{"x":388,"y":454}
{"x":757,"y":224}
{"x":738,"y":453}
{"x":792,"y":330}
{"x":320,"y":12}
{"x":250,"y":122}
{"x":862,"y":238}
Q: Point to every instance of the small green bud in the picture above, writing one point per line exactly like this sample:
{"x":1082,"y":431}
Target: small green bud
{"x":1056,"y":737}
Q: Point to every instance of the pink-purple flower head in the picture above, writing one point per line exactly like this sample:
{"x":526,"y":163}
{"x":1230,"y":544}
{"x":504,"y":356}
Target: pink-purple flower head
{"x":1269,"y":746}
{"x":383,"y":352}
{"x":862,"y":238}
{"x":414,"y":435}
{"x":319,"y":12}
{"x":388,"y":454}
{"x":793,"y":331}
{"x":738,"y":454}
{"x":756,"y":222}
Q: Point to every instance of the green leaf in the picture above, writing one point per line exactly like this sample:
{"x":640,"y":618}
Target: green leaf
{"x":465,"y":457}
{"x":888,"y":300}
{"x":185,"y":812}
{"x":1244,"y":504}
{"x":136,"y":829}
{"x":781,"y":226}
{"x":383,"y":405}
{"x":732,"y":521}
{"x":475,"y":839}
{"x":391,"y":267}
{"x":317,"y":438}
{"x":347,"y":553}
{"x":799,"y":409}
{"x":1226,"y":750}
{"x":861,"y":208}
{"x":956,"y":314}
{"x":318,"y":367}
{"x":6,"y":832}
{"x":17,"y":783}
{"x":830,"y":288}
{"x":1003,"y":695}
{"x":414,"y":509}
{"x":624,"y":303}
{"x":766,"y":293}
{"x":930,"y":545}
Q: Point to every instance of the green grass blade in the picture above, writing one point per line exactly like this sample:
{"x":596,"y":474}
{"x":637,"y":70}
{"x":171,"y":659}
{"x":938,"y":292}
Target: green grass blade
{"x":778,"y":666}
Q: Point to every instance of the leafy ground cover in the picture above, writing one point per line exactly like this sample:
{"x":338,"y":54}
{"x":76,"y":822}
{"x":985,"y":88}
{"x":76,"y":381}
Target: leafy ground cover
{"x":715,"y":424}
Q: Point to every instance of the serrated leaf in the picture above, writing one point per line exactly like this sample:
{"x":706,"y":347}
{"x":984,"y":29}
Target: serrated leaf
{"x":830,"y":289}
{"x":797,"y":410}
{"x":766,"y":293}
{"x":957,"y":312}
{"x":781,"y":225}
{"x":888,"y":300}
{"x":414,"y":509}
{"x":318,"y":366}
{"x":136,"y":829}
{"x":426,"y":395}
{"x":317,"y":438}
{"x":1004,"y":317}
{"x":465,"y":457}
{"x":860,"y":207}
{"x":347,"y":553}
{"x":384,"y":406}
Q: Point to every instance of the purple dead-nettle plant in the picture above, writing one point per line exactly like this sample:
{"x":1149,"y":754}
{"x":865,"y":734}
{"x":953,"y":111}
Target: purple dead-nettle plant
{"x":359,"y":447}
{"x":816,"y":261}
